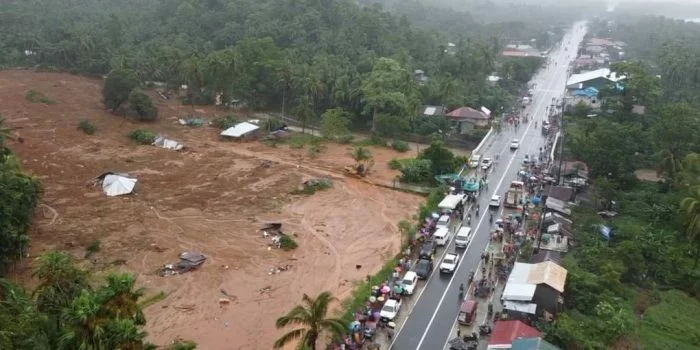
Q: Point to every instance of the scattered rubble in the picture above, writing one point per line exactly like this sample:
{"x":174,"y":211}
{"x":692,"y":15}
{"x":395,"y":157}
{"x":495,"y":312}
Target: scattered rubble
{"x":277,"y":269}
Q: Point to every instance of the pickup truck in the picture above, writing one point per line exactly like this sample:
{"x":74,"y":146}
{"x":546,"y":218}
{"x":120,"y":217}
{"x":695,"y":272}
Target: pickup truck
{"x":390,"y":310}
{"x":449,"y":263}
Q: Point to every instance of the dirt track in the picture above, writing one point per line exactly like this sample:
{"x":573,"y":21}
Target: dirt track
{"x":212,"y":198}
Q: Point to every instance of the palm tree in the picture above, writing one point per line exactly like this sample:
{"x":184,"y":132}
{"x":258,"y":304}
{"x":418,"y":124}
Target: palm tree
{"x":311,"y":317}
{"x":21,"y":324}
{"x":120,"y":300}
{"x":61,"y":281}
{"x":361,"y":154}
{"x":84,"y":327}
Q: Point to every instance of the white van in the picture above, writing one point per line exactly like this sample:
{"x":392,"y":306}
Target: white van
{"x":464,"y":235}
{"x":442,"y":236}
{"x":443,"y":221}
{"x":409,"y":281}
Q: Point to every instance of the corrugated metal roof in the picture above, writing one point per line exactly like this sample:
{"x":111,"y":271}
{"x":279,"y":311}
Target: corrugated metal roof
{"x":529,"y":308}
{"x":240,"y":129}
{"x":550,"y":274}
{"x":518,"y":291}
{"x":505,"y":332}
{"x":594,"y":74}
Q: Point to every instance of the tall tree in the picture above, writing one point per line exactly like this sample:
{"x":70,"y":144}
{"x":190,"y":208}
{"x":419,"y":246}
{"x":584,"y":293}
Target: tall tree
{"x":389,"y":89}
{"x":312,"y":319}
{"x":117,"y":88}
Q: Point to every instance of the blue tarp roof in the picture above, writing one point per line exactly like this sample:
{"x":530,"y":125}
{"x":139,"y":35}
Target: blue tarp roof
{"x":605,"y":231}
{"x":588,"y":92}
{"x":532,"y":344}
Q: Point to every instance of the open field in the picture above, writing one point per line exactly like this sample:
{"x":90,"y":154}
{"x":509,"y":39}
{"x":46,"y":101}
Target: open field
{"x":211,"y":198}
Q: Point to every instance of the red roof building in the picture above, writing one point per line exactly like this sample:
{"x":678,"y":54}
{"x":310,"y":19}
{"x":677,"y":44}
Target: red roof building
{"x":505,"y":332}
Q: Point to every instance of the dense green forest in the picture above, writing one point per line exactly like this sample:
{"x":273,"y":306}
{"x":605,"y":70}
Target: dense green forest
{"x":303,"y":57}
{"x":638,"y":289}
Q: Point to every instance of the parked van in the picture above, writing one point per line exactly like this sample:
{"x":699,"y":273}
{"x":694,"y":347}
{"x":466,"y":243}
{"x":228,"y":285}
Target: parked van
{"x":464,"y":235}
{"x":409,"y":282}
{"x":443,"y":221}
{"x":442,"y":236}
{"x":467,"y":312}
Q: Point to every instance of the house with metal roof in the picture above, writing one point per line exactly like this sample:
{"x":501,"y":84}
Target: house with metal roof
{"x":505,"y":333}
{"x":597,"y":79}
{"x":466,"y":118}
{"x":533,"y":289}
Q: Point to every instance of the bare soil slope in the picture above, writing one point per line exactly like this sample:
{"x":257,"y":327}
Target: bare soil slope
{"x":212,"y":198}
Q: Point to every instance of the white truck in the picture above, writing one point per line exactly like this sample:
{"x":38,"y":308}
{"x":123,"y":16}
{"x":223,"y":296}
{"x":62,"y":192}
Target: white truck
{"x":514,"y":195}
{"x":390,"y":310}
{"x":449,"y":263}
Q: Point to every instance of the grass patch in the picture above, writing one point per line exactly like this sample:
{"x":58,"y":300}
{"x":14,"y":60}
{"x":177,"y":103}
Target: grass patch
{"x":226,"y":121}
{"x":93,"y":248}
{"x":373,"y":140}
{"x":37,"y":97}
{"x":299,"y":141}
{"x":287,"y":242}
{"x":142,"y":136}
{"x":672,"y":324}
{"x":315,"y":148}
{"x":87,"y":127}
{"x":314,"y":185}
{"x":345,"y":139}
{"x":153,"y":299}
{"x":400,"y":146}
{"x":395,"y":164}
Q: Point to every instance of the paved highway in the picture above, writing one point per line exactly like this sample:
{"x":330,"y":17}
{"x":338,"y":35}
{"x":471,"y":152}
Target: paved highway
{"x":433,"y":317}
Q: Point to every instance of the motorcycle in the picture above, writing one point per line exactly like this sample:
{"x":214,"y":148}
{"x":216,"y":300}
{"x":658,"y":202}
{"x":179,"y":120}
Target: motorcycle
{"x":484,"y":329}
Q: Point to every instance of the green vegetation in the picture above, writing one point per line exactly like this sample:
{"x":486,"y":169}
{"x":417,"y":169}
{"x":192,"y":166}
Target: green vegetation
{"x":434,"y":160}
{"x":93,"y":248}
{"x":417,"y":171}
{"x":335,"y":123}
{"x":400,"y":146}
{"x":314,"y":185}
{"x":66,"y":311}
{"x":311,"y":318}
{"x":287,"y":242}
{"x":142,"y":105}
{"x":87,"y":127}
{"x":142,"y":136}
{"x":153,"y":299}
{"x":19,"y":195}
{"x":303,"y":58}
{"x":37,"y":97}
{"x":117,"y":87}
{"x":395,"y":164}
{"x":640,"y":287}
{"x":677,"y":309}
{"x":226,"y":121}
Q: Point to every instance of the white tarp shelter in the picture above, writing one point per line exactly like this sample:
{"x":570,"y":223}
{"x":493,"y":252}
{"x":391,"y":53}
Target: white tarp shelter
{"x":117,"y":185}
{"x":163,"y":142}
{"x":450,"y":201}
{"x":241,"y":129}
